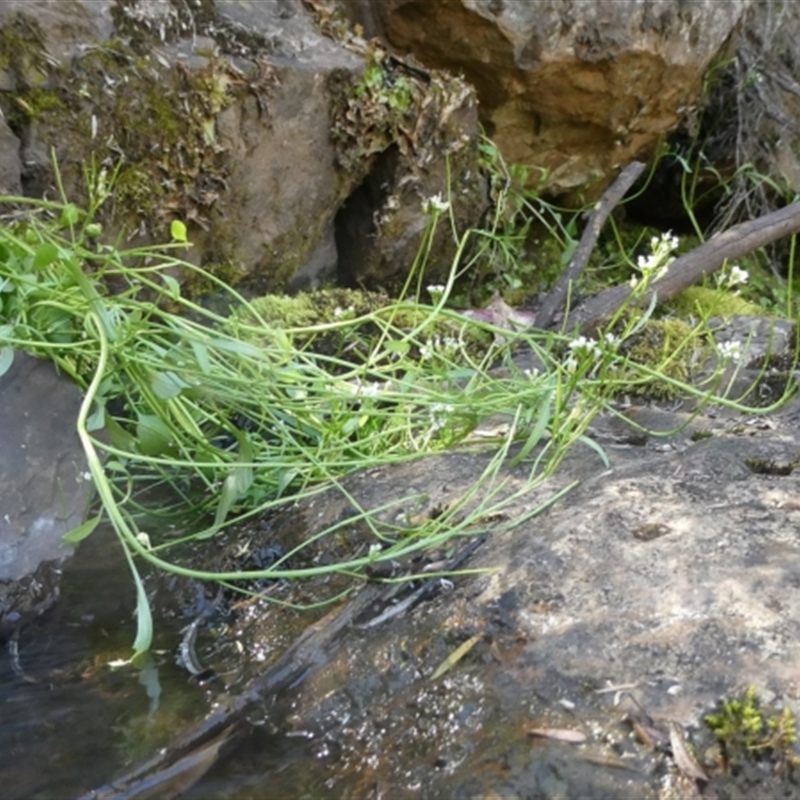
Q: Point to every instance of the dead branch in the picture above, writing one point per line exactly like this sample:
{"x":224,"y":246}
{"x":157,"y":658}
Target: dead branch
{"x":687,"y":270}
{"x":557,"y":296}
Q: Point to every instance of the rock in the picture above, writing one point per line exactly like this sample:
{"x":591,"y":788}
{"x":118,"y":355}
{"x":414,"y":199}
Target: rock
{"x":572,"y":90}
{"x":44,"y":491}
{"x":220,"y":115}
{"x":10,"y":163}
{"x":669,"y":576}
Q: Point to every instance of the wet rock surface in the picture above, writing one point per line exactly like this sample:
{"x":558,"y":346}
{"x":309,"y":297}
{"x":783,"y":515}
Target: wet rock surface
{"x":670,"y":578}
{"x":641,"y":598}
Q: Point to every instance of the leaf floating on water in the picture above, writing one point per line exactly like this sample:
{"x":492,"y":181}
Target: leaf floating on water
{"x":566,"y":735}
{"x":456,"y":656}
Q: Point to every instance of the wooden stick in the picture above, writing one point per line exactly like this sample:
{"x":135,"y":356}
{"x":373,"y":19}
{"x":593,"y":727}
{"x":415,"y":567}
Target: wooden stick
{"x":558,"y":294}
{"x":687,"y":270}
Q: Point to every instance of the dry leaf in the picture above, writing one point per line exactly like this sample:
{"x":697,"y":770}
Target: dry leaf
{"x":456,"y":656}
{"x":565,"y":735}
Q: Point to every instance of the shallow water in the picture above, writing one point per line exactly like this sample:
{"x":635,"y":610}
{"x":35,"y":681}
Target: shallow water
{"x":67,"y":720}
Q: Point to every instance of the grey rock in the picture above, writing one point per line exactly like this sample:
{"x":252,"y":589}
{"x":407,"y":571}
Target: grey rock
{"x":44,"y":490}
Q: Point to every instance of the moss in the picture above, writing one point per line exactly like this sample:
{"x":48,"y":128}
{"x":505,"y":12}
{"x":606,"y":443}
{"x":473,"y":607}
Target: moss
{"x":666,"y":346}
{"x":705,"y":302}
{"x":22,"y":50}
{"x":748,"y":732}
{"x":302,"y":318}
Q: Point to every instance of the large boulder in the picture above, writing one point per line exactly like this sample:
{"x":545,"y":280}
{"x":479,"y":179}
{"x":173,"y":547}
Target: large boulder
{"x":221,"y":115}
{"x":571,"y":89}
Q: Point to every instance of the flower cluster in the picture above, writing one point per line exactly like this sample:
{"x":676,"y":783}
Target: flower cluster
{"x":656,"y":264}
{"x":435,"y":205}
{"x":736,"y":276}
{"x":730,"y":351}
{"x":584,"y":345}
{"x":439,"y":414}
{"x":436,"y":291}
{"x":447,"y":346}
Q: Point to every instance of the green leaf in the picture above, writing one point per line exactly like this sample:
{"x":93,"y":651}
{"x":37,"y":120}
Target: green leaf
{"x":237,"y":483}
{"x":6,"y":359}
{"x":173,"y":287}
{"x":177,"y":230}
{"x":46,"y":253}
{"x":228,"y":496}
{"x":167,"y":385}
{"x":400,"y":347}
{"x":153,"y":436}
{"x":144,"y":619}
{"x":82,"y":531}
{"x":543,"y":414}
{"x":285,"y":479}
{"x":201,"y":356}
{"x":70,"y":215}
{"x":120,"y":438}
{"x":589,"y":442}
{"x":97,"y":419}
{"x":236,"y":346}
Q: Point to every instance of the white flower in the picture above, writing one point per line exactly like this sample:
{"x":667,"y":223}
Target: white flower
{"x":737,"y":275}
{"x":655,"y":265}
{"x":439,"y":413}
{"x":436,"y":288}
{"x":730,"y":350}
{"x":426,"y":351}
{"x":583,"y":344}
{"x":571,"y":364}
{"x":435,"y":204}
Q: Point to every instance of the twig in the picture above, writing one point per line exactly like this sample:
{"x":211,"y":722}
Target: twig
{"x":687,"y":270}
{"x":558,"y":294}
